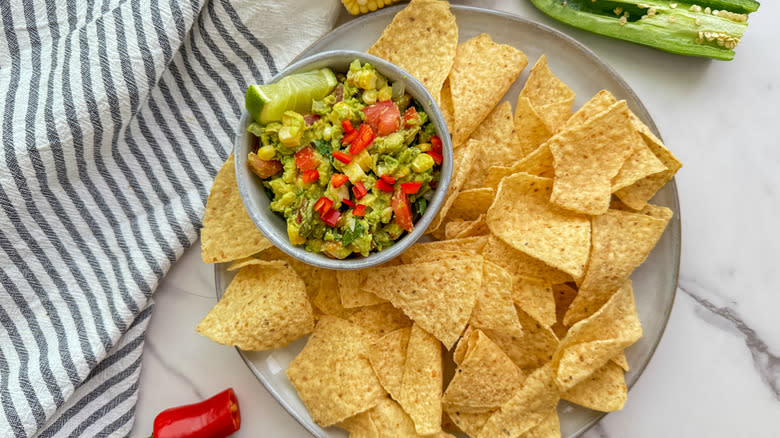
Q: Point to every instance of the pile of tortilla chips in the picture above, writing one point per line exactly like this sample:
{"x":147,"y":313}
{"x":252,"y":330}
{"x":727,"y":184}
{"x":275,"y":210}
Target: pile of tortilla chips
{"x":524,"y":299}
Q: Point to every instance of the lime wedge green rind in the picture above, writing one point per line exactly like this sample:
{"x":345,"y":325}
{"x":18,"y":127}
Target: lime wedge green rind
{"x":267,"y":103}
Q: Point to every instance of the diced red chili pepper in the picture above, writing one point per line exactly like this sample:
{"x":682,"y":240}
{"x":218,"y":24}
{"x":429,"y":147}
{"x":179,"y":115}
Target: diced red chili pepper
{"x":359,"y":190}
{"x":411,"y":117}
{"x":331,"y":218}
{"x":305,"y":159}
{"x":341,"y":156}
{"x":323,"y":205}
{"x":364,"y":139}
{"x":388,"y":179}
{"x":346,"y":125}
{"x":383,"y":117}
{"x":349,"y":137}
{"x":410,"y":188}
{"x":359,"y":211}
{"x":402,"y":210}
{"x":348,"y":203}
{"x":216,"y":417}
{"x":338,"y":179}
{"x":310,"y":176}
{"x":437,"y":158}
{"x":384,"y":186}
{"x":436,"y":145}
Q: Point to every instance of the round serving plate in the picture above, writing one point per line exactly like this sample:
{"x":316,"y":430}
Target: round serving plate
{"x":655,"y":282}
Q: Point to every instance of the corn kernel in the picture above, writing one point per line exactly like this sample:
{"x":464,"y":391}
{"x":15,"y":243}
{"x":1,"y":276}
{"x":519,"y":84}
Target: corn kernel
{"x":422,"y":163}
{"x":385,"y":93}
{"x":266,"y":152}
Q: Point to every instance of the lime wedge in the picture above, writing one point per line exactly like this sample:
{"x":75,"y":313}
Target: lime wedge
{"x":267,"y":103}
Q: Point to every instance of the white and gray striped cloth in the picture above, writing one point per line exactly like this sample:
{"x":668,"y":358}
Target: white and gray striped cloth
{"x":116,"y":116}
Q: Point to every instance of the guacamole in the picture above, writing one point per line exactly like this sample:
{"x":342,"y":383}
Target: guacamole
{"x":355,"y":172}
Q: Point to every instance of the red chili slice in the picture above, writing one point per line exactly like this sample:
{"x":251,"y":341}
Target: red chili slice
{"x":338,"y":179}
{"x":365,"y":136}
{"x":310,"y":176}
{"x":436,"y":144}
{"x":346,"y":125}
{"x":350,"y":137}
{"x":388,"y":179}
{"x":410,"y":188}
{"x":359,"y":211}
{"x":348,"y":203}
{"x":323,"y":205}
{"x":305,"y":159}
{"x":437,"y":157}
{"x":384,"y":186}
{"x":331,"y":218}
{"x":359,"y":190}
{"x":341,"y":156}
{"x":383,"y":117}
{"x":216,"y":417}
{"x":411,"y":117}
{"x":402,"y":210}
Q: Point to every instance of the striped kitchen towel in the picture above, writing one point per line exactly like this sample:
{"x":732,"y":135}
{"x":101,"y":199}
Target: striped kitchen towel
{"x":116,"y":116}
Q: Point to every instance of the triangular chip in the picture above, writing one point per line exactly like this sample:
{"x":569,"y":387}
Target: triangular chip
{"x":380,"y":319}
{"x":482,"y":73}
{"x":519,"y":263}
{"x":438,"y":296}
{"x":597,"y":104}
{"x":447,"y":111}
{"x":462,"y":229}
{"x":463,"y":160}
{"x":550,"y":96}
{"x":530,"y":128}
{"x":621,"y":361}
{"x":327,"y":299}
{"x":421,"y":387}
{"x":421,"y":39}
{"x":539,"y":163}
{"x":311,"y":275}
{"x":535,"y":297}
{"x":352,"y":292}
{"x":523,"y":217}
{"x":592,"y":342}
{"x":495,"y":309}
{"x":471,"y":424}
{"x":588,"y":156}
{"x":332,"y":374}
{"x":531,"y":350}
{"x":605,"y":390}
{"x":387,"y":356}
{"x":264,"y":307}
{"x":550,"y":427}
{"x":485,"y":379}
{"x":421,"y":252}
{"x":555,"y":114}
{"x":495,"y":134}
{"x":228,"y":233}
{"x":621,"y":241}
{"x":387,"y":420}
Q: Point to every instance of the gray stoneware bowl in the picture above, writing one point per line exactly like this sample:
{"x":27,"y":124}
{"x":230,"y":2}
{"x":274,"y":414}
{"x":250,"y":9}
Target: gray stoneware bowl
{"x":273,"y":226}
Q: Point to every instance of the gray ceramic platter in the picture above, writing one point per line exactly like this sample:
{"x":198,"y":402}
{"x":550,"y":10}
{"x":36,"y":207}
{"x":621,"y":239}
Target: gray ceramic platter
{"x":655,"y":282}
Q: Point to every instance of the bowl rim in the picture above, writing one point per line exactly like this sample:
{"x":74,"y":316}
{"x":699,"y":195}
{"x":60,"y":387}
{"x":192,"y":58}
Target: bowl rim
{"x":246,"y":186}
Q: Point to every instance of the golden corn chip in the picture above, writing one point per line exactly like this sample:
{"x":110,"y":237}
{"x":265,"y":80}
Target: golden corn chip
{"x":550,"y":96}
{"x":531,"y":350}
{"x":621,"y":241}
{"x":555,"y":114}
{"x":352,"y":292}
{"x":463,"y":160}
{"x":481,"y":74}
{"x":327,"y":300}
{"x":390,"y":421}
{"x":621,"y":361}
{"x":438,"y":296}
{"x":605,"y":390}
{"x":421,"y":387}
{"x":564,"y":295}
{"x":550,"y":427}
{"x":240,"y":263}
{"x":539,"y":163}
{"x":528,"y":407}
{"x":471,"y":424}
{"x":361,"y":425}
{"x":523,"y":217}
{"x":496,"y":135}
{"x":588,"y":156}
{"x":530,"y":127}
{"x":422,"y":252}
{"x":228,"y":233}
{"x":459,"y":229}
{"x":422,"y":39}
{"x":467,"y":205}
{"x":332,"y":374}
{"x":264,"y":307}
{"x":447,"y":111}
{"x":495,"y":309}
{"x":535,"y":296}
{"x":597,"y":104}
{"x":310,"y":275}
{"x":592,"y":342}
{"x":380,"y":319}
{"x":485,"y":379}
{"x":387,"y":356}
{"x":515,"y":262}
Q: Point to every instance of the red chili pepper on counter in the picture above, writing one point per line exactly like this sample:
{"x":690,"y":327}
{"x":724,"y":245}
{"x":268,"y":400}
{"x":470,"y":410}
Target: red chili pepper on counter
{"x":217,"y":417}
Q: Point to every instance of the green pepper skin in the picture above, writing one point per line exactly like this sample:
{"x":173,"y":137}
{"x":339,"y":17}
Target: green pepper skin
{"x":677,"y":29}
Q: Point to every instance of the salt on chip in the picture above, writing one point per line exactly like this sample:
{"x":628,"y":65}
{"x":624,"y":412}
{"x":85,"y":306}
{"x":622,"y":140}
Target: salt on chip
{"x":460,"y":229}
{"x":228,"y":233}
{"x":387,"y":356}
{"x":496,"y":135}
{"x":592,"y":342}
{"x":535,"y":297}
{"x":531,"y":350}
{"x":264,"y":307}
{"x":438,"y":296}
{"x":422,"y":39}
{"x":421,"y":387}
{"x":523,"y":217}
{"x":463,"y":160}
{"x":528,"y":407}
{"x":550,"y":427}
{"x":332,"y":374}
{"x":380,"y":319}
{"x":588,"y":156}
{"x":481,"y":74}
{"x":424,"y":251}
{"x":548,"y":94}
{"x":352,"y":292}
{"x":605,"y":390}
{"x":519,"y":263}
{"x":485,"y":379}
{"x":621,"y":241}
{"x":494,"y":309}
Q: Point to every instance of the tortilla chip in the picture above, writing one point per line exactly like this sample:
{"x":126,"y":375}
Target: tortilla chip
{"x":327,"y":299}
{"x":555,"y":114}
{"x":530,"y":127}
{"x":639,"y":193}
{"x":228,"y":233}
{"x":471,"y":424}
{"x":264,"y":307}
{"x":588,"y":156}
{"x":496,"y":134}
{"x":621,"y":241}
{"x":438,"y":296}
{"x":463,"y":229}
{"x":422,"y":252}
{"x":467,"y":205}
{"x":332,"y":374}
{"x":380,"y":319}
{"x":495,"y":309}
{"x":482,"y":73}
{"x":621,"y":361}
{"x":531,"y":350}
{"x":605,"y":390}
{"x":550,"y":427}
{"x":535,"y":297}
{"x":515,"y":262}
{"x":523,"y":217}
{"x":539,"y":163}
{"x":422,"y":382}
{"x":388,"y":420}
{"x":352,"y":292}
{"x":485,"y":379}
{"x":463,"y":160}
{"x":422,"y":39}
{"x":528,"y":407}
{"x":564,"y":295}
{"x":361,"y":425}
{"x":592,"y":342}
{"x":387,"y":356}
{"x":447,"y":111}
{"x":311,"y":275}
{"x":240,"y":263}
{"x":600,"y":102}
{"x":550,"y":96}
{"x":640,"y":164}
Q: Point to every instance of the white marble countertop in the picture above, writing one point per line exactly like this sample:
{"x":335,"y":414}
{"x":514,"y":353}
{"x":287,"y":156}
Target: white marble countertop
{"x":716,"y":372}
